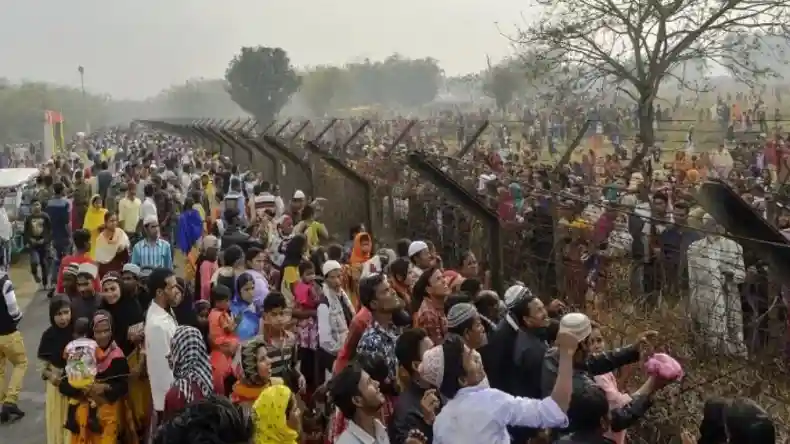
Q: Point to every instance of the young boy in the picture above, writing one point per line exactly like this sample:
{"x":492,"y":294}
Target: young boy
{"x":281,"y":344}
{"x":307,"y":295}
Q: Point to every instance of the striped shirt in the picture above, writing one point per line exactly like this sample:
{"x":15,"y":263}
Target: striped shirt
{"x":11,"y":313}
{"x":282,"y":355}
{"x":152,"y":254}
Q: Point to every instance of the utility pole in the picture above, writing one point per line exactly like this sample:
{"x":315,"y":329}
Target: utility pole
{"x":81,"y":70}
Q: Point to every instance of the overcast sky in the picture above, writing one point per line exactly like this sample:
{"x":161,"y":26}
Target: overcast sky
{"x":134,"y":49}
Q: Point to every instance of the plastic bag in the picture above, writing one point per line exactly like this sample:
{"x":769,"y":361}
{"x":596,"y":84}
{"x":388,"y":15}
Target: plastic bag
{"x":81,"y":362}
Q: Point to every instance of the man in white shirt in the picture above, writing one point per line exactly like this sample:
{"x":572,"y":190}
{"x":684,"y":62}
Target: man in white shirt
{"x":476,"y":413}
{"x":160,"y":326}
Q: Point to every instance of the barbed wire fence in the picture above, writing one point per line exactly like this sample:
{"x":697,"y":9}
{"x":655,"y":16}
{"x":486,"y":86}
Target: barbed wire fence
{"x":403,"y":181}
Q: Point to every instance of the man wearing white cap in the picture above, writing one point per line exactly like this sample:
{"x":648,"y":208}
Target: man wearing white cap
{"x":334,"y":313}
{"x":153,"y":251}
{"x":588,"y":364}
{"x":420,"y":258}
{"x":298,"y":203}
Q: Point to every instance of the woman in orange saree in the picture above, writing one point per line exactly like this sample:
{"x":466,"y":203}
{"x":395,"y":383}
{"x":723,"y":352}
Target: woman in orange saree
{"x":360,"y":253}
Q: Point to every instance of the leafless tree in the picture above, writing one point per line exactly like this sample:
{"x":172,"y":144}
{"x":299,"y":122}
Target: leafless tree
{"x":637,"y":45}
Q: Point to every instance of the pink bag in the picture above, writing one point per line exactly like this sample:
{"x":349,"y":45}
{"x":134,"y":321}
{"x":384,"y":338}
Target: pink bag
{"x":664,"y":367}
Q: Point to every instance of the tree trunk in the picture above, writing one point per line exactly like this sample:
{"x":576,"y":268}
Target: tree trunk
{"x":646,"y":118}
{"x":646,"y":133}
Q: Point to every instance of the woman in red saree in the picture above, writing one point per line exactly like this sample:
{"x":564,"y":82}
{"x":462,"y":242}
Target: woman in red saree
{"x":112,"y":246}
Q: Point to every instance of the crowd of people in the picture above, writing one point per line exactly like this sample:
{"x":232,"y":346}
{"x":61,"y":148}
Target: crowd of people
{"x":191,"y":303}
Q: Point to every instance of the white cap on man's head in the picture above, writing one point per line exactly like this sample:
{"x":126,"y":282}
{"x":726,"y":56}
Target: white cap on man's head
{"x":516,"y":293}
{"x":330,"y":266}
{"x":150,"y":220}
{"x":299,"y":194}
{"x":416,"y":247}
{"x":89,"y":269}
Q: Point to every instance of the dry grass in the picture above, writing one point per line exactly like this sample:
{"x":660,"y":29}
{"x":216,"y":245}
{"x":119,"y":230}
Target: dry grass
{"x":762,"y":377}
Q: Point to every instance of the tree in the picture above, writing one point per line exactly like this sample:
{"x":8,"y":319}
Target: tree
{"x":413,"y":82}
{"x":395,"y":81}
{"x":638,"y":45}
{"x":261,"y":80}
{"x":501,"y":83}
{"x":320,"y":86}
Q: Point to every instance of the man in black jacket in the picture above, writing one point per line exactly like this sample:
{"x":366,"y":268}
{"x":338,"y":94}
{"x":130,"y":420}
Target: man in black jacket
{"x":537,"y":329}
{"x":408,"y":413}
{"x":588,"y":365}
{"x":234,"y":233}
{"x":38,"y":238}
{"x":589,"y":412}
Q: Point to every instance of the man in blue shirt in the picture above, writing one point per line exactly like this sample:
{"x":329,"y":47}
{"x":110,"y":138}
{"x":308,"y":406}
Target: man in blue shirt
{"x":153,"y":251}
{"x":59,"y":210}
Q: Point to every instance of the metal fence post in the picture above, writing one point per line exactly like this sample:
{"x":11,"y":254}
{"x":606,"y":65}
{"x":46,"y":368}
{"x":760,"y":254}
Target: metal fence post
{"x":433,"y":174}
{"x":286,"y":152}
{"x":351,"y":175}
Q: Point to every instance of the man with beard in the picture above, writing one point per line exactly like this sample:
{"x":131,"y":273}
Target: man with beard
{"x":87,"y":301}
{"x":536,"y":329}
{"x":131,"y":286}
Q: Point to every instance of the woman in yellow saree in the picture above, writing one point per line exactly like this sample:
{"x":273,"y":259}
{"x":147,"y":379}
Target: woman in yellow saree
{"x":94,"y":220}
{"x":106,"y":392}
{"x":277,"y":416}
{"x":127,"y":331}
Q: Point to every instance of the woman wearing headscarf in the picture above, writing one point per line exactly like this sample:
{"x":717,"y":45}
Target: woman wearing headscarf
{"x":505,"y":205}
{"x":256,"y":264}
{"x":255,"y":372}
{"x":50,"y":353}
{"x":110,"y":386}
{"x":111,"y":250}
{"x":189,"y":228}
{"x":205,"y":266}
{"x":280,"y":239}
{"x":248,"y":318}
{"x":94,"y":220}
{"x":277,"y":416}
{"x":192,"y":379}
{"x":295,"y":252}
{"x":185,"y":310}
{"x":360,"y":253}
{"x":127,"y":332}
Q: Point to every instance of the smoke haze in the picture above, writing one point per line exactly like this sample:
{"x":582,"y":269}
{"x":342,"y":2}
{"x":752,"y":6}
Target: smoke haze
{"x":133,"y":50}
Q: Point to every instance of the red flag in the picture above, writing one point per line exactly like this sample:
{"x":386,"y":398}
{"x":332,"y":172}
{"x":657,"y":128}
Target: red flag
{"x":53,"y":117}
